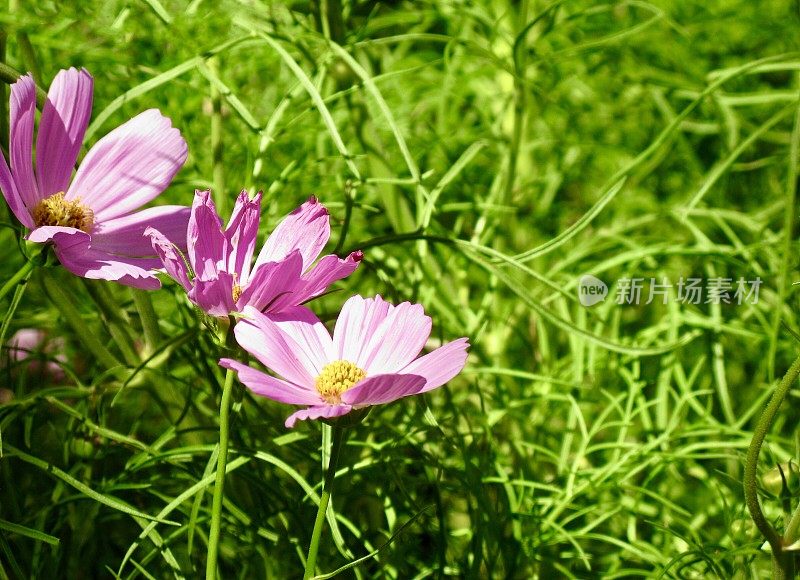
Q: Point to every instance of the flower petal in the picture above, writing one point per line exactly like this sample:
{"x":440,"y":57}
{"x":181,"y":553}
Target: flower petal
{"x":48,"y":233}
{"x":306,"y":229}
{"x":206,"y":242}
{"x":65,"y":117}
{"x":357,"y":322}
{"x":440,"y":365}
{"x":129,"y":166}
{"x":75,"y":254}
{"x":327,"y":271}
{"x":241,"y":234}
{"x":276,"y":348}
{"x":273,"y":282}
{"x":271,"y":387}
{"x":173,"y":262}
{"x":326,"y":411}
{"x":381,"y":389}
{"x":398,"y":340}
{"x":20,"y":148}
{"x":125,"y":235}
{"x":308,"y":333}
{"x":214,"y":296}
{"x":13,"y":199}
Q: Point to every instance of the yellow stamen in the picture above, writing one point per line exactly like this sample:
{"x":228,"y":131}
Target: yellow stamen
{"x":237,"y":292}
{"x":336,"y":377}
{"x":57,"y":211}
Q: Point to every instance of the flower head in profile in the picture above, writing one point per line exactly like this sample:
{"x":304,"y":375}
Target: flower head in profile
{"x":282,"y":275}
{"x":370,"y":360}
{"x":90,"y":218}
{"x":27,"y":343}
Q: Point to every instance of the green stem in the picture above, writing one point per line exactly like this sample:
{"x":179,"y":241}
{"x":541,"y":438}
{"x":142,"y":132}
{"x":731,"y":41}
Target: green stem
{"x":327,"y":487}
{"x":218,"y":168}
{"x":790,"y":534}
{"x":788,"y":236}
{"x":781,"y":560}
{"x":222,"y":460}
{"x":21,"y":275}
{"x":147,"y":315}
{"x":75,"y":320}
{"x":114,"y":318}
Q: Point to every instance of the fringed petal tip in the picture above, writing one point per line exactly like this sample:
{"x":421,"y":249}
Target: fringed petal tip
{"x":320,"y":412}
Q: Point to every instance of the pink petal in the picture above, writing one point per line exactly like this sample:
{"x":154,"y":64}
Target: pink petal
{"x":381,"y":389}
{"x":129,"y":166}
{"x":61,"y":129}
{"x":440,"y":365}
{"x":241,"y":234}
{"x":75,"y":254}
{"x":173,"y":262}
{"x":276,"y":349}
{"x":11,"y":194}
{"x":214,"y":296}
{"x":270,"y":387}
{"x":306,"y":229}
{"x":379,"y":337}
{"x":48,"y":233}
{"x":398,"y":340}
{"x":310,"y":336}
{"x":328,"y":270}
{"x":272,"y":282}
{"x":357,"y":322}
{"x":206,"y":242}
{"x":326,"y":411}
{"x":125,"y":235}
{"x":23,"y":110}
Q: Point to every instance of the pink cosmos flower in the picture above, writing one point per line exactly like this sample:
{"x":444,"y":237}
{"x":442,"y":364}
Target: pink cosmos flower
{"x":29,"y":341}
{"x":90,"y":219}
{"x":282,"y":276}
{"x":371,"y":359}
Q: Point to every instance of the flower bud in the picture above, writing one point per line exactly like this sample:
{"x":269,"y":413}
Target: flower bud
{"x":783,"y":480}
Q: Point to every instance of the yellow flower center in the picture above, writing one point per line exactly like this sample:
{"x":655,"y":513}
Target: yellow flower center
{"x":336,"y":377}
{"x":57,"y":211}
{"x":237,"y":292}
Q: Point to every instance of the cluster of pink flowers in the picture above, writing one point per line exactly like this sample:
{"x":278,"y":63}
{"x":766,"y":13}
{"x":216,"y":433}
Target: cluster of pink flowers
{"x":92,"y":223}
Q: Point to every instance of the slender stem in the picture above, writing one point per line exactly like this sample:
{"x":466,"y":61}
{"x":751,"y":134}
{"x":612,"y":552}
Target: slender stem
{"x":218,"y":169}
{"x":222,"y":460}
{"x":327,"y":487}
{"x":765,"y":421}
{"x":114,"y":319}
{"x":21,"y":274}
{"x":788,"y":236}
{"x":147,"y":314}
{"x":75,"y":320}
{"x":790,"y":533}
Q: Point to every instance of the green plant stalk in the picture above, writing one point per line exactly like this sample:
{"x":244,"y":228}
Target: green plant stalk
{"x":147,"y":315}
{"x":219,"y":483}
{"x":115,"y":321}
{"x":218,"y":170}
{"x":782,"y":561}
{"x":22,"y":274}
{"x":786,"y":246}
{"x":3,"y":96}
{"x":327,"y":487}
{"x":74,"y":319}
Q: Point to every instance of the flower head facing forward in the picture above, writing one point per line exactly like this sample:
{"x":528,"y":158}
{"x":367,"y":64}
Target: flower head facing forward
{"x":91,"y":219}
{"x":371,"y":358}
{"x":282,"y":275}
